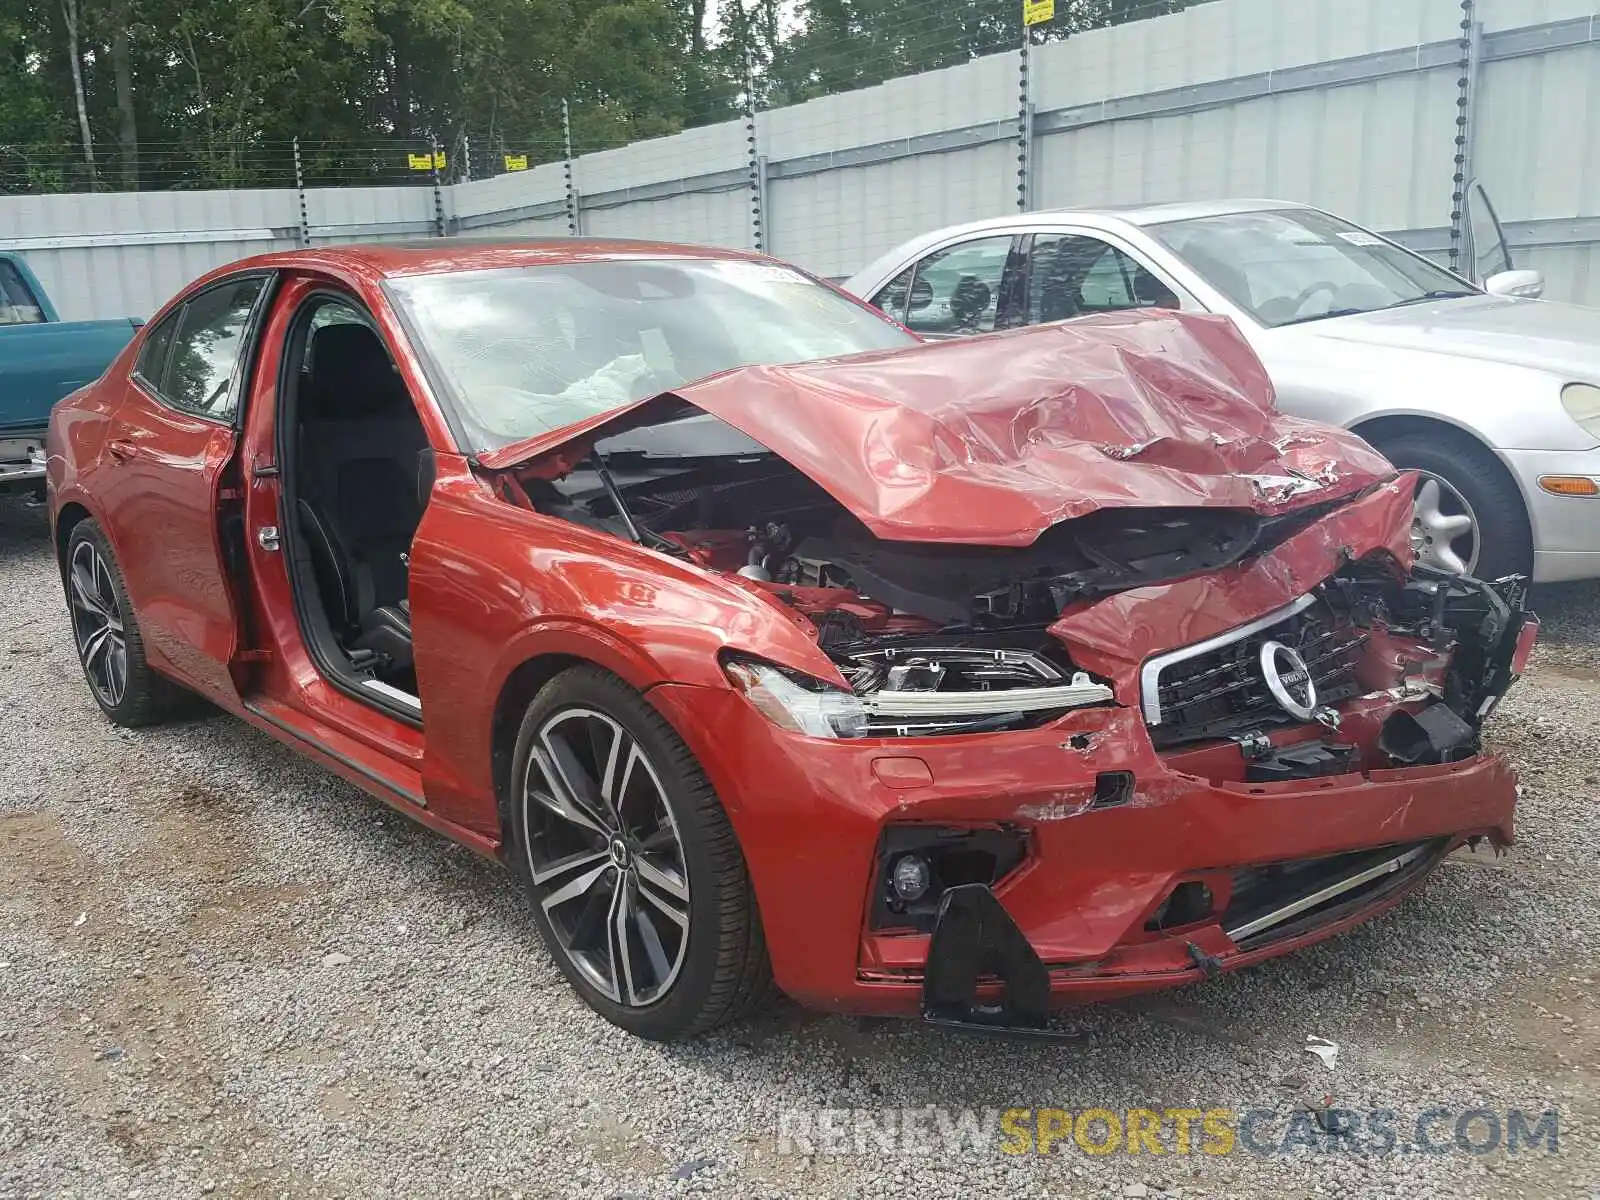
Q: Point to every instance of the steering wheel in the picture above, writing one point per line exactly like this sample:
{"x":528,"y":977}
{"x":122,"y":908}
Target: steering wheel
{"x":1324,"y":286}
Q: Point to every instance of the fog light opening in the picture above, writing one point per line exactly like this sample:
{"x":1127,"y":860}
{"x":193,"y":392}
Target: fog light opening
{"x":1187,"y":904}
{"x":911,"y":877}
{"x":917,"y":864}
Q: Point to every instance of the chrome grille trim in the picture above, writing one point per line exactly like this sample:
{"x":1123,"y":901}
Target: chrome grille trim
{"x":1150,"y":673}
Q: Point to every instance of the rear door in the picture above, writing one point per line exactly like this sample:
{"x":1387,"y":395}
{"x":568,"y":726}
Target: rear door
{"x":1067,"y":273}
{"x":962,"y":288}
{"x":169,"y":486}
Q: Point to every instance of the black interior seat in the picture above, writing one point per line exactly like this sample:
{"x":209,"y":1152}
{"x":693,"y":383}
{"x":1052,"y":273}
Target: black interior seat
{"x":360,"y":442}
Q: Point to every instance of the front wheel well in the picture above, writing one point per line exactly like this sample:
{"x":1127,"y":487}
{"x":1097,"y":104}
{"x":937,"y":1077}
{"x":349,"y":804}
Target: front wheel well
{"x":1505,"y":535}
{"x":1381,"y":431}
{"x":520,"y":687}
{"x":1378,"y":430}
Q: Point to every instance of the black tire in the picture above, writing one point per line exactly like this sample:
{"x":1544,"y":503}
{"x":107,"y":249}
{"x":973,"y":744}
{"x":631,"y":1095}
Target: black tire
{"x":145,"y":697}
{"x":724,"y":972}
{"x":1505,"y":541}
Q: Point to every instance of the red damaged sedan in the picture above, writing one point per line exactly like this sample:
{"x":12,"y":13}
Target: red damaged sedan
{"x":768,"y":645}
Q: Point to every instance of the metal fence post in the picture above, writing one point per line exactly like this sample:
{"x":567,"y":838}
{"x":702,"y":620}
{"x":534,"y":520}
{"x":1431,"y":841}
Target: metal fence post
{"x":466,"y":158}
{"x":300,"y":192}
{"x":574,"y":211}
{"x":1465,"y":86}
{"x":758,"y":164}
{"x":438,"y":192}
{"x":1024,"y":126}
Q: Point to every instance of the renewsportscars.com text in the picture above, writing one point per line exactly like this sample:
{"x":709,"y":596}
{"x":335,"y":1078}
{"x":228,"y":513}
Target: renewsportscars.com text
{"x":931,"y":1130}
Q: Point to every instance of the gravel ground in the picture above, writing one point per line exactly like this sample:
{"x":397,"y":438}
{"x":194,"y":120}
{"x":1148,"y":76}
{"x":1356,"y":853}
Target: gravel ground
{"x":224,"y":972}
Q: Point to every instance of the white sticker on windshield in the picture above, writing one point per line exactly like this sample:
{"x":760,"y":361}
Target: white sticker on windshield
{"x":759,"y":272}
{"x":1358,"y":237}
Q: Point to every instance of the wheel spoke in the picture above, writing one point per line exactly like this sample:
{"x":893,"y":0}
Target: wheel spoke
{"x":83,"y":596}
{"x":1428,"y":500}
{"x":669,"y":883}
{"x":582,"y":860}
{"x":664,"y":905}
{"x":635,"y":782}
{"x":94,"y":646}
{"x":559,"y":798}
{"x":580,"y":885}
{"x":1450,"y":528}
{"x":1446,"y":559}
{"x":117,"y":669}
{"x":620,"y":917}
{"x":578,"y":786}
{"x":660,"y":964}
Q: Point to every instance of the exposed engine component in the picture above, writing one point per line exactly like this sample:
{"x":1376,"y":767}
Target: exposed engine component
{"x":1437,"y":734}
{"x":936,"y":638}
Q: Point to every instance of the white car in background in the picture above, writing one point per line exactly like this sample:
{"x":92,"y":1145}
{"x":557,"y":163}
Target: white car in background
{"x":1491,"y":395}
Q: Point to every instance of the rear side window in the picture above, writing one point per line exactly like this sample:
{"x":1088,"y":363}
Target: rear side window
{"x":190,"y":359}
{"x":18,"y":304}
{"x":1071,"y":275}
{"x":892,"y":297}
{"x":152,"y":364}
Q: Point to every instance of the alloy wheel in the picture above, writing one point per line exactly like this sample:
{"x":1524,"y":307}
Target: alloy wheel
{"x":97,"y":624}
{"x":1444,"y":529}
{"x":606,"y":856}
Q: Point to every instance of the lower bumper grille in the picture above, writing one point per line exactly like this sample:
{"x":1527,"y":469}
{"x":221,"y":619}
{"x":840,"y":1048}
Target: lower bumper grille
{"x":1287,"y":898}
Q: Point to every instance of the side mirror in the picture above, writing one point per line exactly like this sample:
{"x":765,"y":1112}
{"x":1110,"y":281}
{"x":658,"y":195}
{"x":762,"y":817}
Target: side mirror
{"x":921,"y":295}
{"x":1525,"y":285}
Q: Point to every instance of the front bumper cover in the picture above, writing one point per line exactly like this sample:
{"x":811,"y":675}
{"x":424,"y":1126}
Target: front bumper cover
{"x":983,"y":975}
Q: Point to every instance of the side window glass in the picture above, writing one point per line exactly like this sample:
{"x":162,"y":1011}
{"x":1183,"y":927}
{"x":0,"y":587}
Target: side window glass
{"x":206,"y":350}
{"x":891,"y":298}
{"x":1106,"y":285}
{"x":957,"y":290}
{"x":18,"y":305}
{"x":1070,"y":275}
{"x":152,"y":364}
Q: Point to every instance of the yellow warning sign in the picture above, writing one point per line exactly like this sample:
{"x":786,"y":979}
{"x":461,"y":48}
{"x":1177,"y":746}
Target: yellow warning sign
{"x":426,"y":162}
{"x":1037,"y":12}
{"x":516,"y":162}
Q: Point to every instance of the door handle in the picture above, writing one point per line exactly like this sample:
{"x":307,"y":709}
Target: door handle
{"x":121,"y":449}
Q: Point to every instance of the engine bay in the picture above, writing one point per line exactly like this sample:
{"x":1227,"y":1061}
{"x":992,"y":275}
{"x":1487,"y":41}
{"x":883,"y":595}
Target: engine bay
{"x":938,"y":638}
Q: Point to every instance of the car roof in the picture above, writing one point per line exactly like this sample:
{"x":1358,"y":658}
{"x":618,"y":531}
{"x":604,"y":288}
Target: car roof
{"x":436,"y":255}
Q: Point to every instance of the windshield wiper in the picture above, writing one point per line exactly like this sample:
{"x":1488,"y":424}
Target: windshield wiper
{"x":1436,"y":294}
{"x":1323,"y":316}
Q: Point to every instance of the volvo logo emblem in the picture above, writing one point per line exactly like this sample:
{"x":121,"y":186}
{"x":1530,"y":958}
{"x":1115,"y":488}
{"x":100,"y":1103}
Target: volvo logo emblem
{"x":1289,"y":680}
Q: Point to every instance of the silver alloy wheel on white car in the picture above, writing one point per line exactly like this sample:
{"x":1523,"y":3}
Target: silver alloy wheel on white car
{"x":1444,"y":529}
{"x":606,"y":856}
{"x":97,"y":625}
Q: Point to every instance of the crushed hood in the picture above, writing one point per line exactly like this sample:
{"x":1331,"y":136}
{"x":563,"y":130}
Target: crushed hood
{"x":992,"y":440}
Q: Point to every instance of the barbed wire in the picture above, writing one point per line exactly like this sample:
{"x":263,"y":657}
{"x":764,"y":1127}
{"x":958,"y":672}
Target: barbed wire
{"x":805,"y":64}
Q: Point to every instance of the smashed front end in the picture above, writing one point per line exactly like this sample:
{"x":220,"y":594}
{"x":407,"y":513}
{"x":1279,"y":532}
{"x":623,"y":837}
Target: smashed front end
{"x":1106,"y":689}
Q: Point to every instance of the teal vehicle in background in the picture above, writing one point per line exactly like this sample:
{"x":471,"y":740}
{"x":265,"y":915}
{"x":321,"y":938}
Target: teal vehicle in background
{"x":42,"y":359}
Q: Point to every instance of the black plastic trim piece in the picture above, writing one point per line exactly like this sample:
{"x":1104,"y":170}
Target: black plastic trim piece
{"x":974,"y":937}
{"x":343,"y":759}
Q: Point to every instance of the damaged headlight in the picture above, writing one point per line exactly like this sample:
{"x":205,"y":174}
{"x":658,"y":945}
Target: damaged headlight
{"x":917,"y":692}
{"x":798,"y":702}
